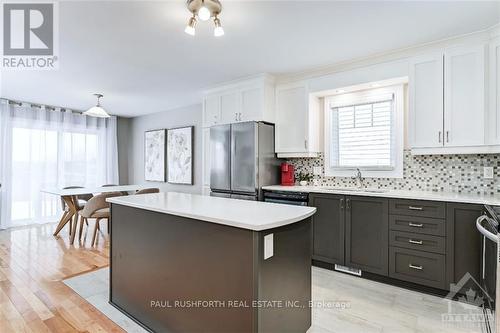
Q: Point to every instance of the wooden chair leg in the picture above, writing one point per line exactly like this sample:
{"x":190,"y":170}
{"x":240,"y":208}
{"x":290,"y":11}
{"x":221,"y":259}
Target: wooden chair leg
{"x":95,"y":231}
{"x":82,"y":219}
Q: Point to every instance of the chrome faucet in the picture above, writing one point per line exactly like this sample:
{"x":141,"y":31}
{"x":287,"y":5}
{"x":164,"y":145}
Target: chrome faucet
{"x":359,"y":179}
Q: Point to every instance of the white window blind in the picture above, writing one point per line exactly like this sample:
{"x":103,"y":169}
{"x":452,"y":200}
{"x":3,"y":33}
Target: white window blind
{"x":362,"y":134}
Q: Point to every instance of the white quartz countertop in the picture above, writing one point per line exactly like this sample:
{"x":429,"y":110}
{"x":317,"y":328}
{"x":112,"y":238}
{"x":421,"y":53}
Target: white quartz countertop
{"x":252,"y":215}
{"x":91,"y":190}
{"x":415,"y":195}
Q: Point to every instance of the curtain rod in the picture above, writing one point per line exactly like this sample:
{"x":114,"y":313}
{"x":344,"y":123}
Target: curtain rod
{"x":35,"y":105}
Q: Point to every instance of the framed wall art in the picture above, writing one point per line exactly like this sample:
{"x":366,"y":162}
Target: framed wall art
{"x":180,"y":155}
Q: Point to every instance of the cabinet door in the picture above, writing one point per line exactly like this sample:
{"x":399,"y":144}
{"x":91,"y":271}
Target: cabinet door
{"x":328,"y":228}
{"x":252,"y":108}
{"x":367,"y":234}
{"x":230,"y":107}
{"x":464,"y":107}
{"x":211,"y":112}
{"x":291,"y":119}
{"x":426,"y":101}
{"x":206,"y":157}
{"x":494,"y":109}
{"x":463,"y":242}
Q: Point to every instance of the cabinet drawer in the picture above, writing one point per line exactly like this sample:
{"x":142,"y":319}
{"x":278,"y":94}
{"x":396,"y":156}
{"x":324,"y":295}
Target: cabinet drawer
{"x":417,"y":267}
{"x":421,"y":225}
{"x":414,"y":241}
{"x":417,"y":208}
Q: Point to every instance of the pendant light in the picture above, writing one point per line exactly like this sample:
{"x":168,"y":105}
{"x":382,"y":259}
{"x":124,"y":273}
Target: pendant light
{"x":97,"y":111}
{"x":204,"y":10}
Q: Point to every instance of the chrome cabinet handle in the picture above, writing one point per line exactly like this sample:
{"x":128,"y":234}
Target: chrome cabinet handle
{"x":417,"y":267}
{"x":418,"y":242}
{"x":341,"y":203}
{"x":439,"y":136}
{"x":348,"y":203}
{"x":415,"y":208}
{"x":415,"y":225}
{"x":447,"y":136}
{"x":305,"y":144}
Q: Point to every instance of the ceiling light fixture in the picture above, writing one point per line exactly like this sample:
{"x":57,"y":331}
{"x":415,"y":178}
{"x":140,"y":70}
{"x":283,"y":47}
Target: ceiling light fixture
{"x":218,"y":31}
{"x":204,"y":10}
{"x":97,"y":111}
{"x":190,"y":28}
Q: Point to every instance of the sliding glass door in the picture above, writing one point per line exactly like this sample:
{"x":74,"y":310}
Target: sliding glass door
{"x":51,"y":150}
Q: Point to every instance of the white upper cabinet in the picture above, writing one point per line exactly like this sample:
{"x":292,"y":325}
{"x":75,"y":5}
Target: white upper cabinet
{"x":426,"y":101}
{"x":464,"y":105}
{"x":211,"y":111}
{"x":244,"y":100}
{"x":230,"y":107}
{"x":494,"y":71}
{"x":447,"y":99}
{"x":252,"y":103}
{"x":297,"y":126}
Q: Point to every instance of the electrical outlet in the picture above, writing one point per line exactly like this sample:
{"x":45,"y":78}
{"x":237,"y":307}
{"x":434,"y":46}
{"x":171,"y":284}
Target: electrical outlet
{"x":317,"y":171}
{"x":488,"y":173}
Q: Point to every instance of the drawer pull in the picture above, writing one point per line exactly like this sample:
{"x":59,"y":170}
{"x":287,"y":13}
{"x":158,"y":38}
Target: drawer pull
{"x":418,"y":242}
{"x":419,"y":268}
{"x":415,"y":225}
{"x":415,"y":208}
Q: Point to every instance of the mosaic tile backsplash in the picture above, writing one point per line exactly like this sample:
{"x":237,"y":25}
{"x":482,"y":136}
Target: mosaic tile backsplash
{"x":446,"y":173}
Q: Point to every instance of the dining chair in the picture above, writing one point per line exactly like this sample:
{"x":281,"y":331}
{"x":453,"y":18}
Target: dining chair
{"x":82,"y":198}
{"x":148,"y":190}
{"x":96,"y":208}
{"x":81,"y":201}
{"x":109,"y":185}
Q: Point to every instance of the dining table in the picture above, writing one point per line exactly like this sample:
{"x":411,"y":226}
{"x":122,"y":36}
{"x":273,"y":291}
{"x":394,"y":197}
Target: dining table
{"x":70,"y":198}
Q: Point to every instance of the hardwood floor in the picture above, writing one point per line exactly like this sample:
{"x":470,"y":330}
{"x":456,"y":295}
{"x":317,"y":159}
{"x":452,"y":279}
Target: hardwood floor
{"x":33,"y":297}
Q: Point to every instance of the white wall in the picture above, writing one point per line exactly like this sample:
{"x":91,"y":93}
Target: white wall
{"x":134,"y":144}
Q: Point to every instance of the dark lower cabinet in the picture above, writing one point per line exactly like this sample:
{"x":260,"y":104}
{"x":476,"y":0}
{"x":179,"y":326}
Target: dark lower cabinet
{"x":463,"y":249}
{"x":418,"y":267}
{"x":427,"y":243}
{"x":328,"y":228}
{"x":367,"y":234}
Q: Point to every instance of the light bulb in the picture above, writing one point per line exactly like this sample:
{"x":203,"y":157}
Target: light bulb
{"x":204,"y":14}
{"x":218,"y":31}
{"x":190,"y":28}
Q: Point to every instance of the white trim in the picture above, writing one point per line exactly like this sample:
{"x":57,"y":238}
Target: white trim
{"x":398,"y":128}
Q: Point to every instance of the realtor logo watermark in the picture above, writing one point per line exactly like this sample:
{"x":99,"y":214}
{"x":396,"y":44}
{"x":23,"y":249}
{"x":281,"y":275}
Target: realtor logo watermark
{"x":471,"y":311}
{"x":30,"y":35}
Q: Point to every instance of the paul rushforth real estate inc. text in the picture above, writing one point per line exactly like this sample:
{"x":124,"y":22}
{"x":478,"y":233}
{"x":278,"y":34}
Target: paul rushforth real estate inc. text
{"x":247,"y":304}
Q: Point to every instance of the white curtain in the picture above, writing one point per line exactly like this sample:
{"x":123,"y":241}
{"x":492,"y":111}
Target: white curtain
{"x":41,"y":147}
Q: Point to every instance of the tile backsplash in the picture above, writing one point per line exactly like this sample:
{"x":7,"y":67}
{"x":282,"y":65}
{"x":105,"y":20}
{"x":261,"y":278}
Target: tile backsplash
{"x":448,"y":173}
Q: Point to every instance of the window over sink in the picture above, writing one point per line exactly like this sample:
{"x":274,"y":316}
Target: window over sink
{"x":364,"y":129}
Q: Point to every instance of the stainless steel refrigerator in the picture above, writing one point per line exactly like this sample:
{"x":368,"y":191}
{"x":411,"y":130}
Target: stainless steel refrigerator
{"x":242,"y":160}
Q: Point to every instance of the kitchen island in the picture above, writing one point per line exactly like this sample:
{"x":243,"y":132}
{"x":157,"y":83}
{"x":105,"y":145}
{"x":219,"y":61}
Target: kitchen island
{"x":191,"y":263}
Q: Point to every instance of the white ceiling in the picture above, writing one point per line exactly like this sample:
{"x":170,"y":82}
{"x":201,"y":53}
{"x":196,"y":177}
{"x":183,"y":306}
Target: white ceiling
{"x":138,"y":56}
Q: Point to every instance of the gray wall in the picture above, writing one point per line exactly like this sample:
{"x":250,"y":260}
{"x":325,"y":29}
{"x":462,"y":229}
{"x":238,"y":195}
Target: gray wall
{"x":131,"y":145}
{"x":122,"y":133}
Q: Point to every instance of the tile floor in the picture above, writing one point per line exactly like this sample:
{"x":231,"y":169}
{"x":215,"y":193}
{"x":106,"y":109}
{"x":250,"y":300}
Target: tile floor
{"x":356,"y":305}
